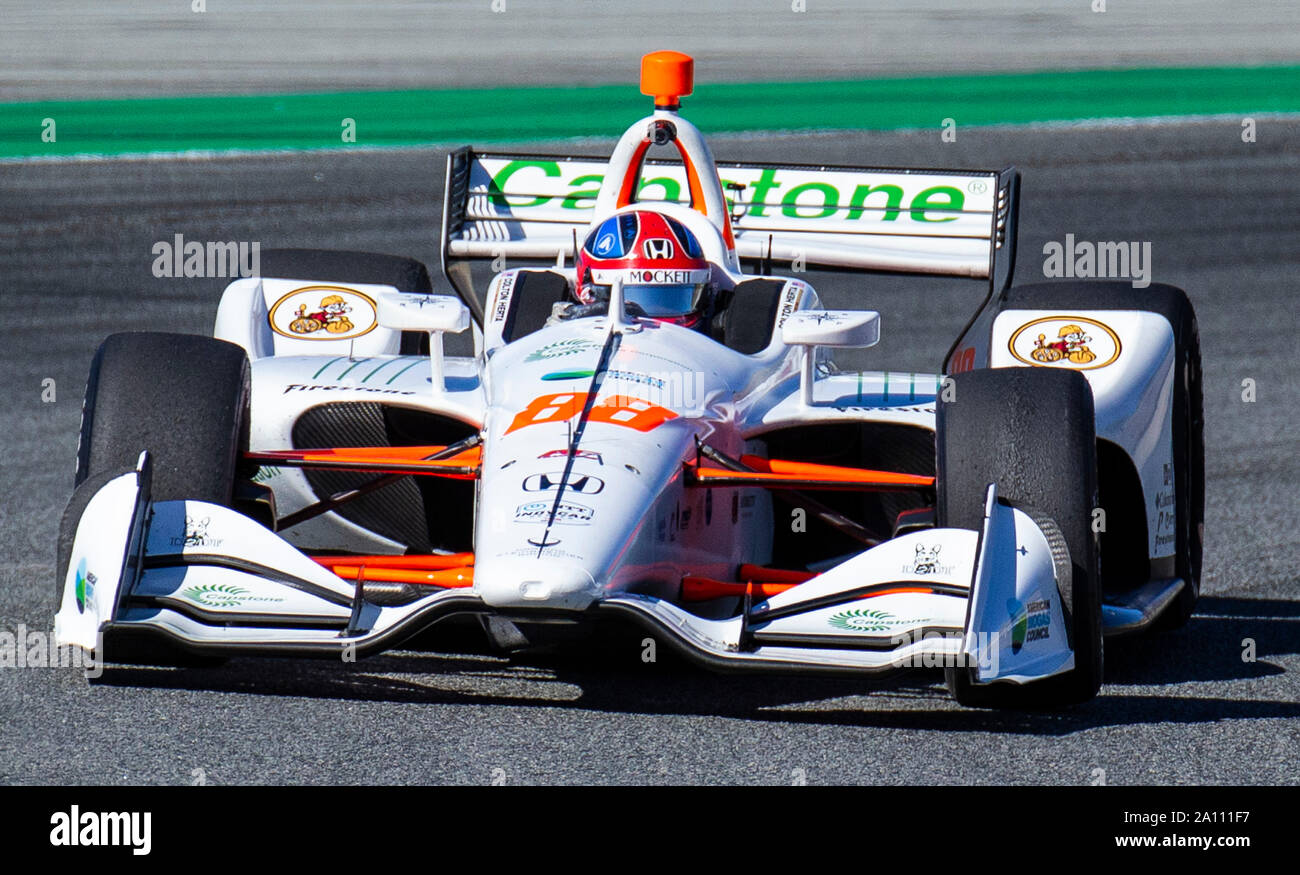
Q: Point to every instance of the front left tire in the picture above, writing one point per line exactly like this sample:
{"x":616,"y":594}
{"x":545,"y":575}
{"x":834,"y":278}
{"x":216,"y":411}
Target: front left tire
{"x":184,"y":399}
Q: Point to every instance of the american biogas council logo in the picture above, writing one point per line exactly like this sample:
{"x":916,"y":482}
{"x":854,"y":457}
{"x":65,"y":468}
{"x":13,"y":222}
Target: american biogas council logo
{"x":84,"y":588}
{"x":1029,"y":622}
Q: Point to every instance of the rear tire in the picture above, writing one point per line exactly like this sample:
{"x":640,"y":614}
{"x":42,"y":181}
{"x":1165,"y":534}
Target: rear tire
{"x":1032,"y":432}
{"x":346,"y":266}
{"x":1171,"y":303}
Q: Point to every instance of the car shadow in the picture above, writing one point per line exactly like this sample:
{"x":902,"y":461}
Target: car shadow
{"x":608,"y":674}
{"x":1227,"y":639}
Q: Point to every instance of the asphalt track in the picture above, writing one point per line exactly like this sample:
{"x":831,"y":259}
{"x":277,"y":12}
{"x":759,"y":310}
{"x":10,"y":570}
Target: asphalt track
{"x":1182,"y":708}
{"x":53,"y":49}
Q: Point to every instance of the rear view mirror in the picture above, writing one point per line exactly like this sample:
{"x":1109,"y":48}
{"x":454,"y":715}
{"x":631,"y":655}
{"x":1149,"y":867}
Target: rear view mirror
{"x":838,"y":328}
{"x":853,"y":329}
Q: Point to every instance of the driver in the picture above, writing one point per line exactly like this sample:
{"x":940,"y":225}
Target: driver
{"x":665,"y":275}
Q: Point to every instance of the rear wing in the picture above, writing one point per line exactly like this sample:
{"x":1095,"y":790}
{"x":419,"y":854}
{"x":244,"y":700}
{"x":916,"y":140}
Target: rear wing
{"x":961,"y":223}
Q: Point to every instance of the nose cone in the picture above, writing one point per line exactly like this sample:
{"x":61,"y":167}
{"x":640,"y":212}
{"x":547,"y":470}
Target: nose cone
{"x":522,"y":582}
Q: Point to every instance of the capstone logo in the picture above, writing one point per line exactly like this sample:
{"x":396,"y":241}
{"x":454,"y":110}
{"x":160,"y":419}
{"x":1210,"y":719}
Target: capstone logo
{"x":771,"y":192}
{"x":223,"y":595}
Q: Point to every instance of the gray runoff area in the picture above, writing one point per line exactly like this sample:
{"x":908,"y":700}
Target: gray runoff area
{"x":1181,"y":708}
{"x":54,"y":49}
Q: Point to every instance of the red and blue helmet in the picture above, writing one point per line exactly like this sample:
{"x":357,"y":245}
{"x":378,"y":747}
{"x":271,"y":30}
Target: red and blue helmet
{"x":659,"y":261}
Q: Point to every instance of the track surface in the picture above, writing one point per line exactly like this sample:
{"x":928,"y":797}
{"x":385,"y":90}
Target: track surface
{"x":1222,"y":217}
{"x":71,"y":49}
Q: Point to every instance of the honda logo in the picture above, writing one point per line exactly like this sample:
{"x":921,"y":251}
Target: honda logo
{"x":658,"y":247}
{"x":583,"y":484}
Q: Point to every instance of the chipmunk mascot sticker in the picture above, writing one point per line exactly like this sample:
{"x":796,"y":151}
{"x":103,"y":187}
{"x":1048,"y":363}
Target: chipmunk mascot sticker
{"x":1066,"y":341}
{"x":323,"y":313}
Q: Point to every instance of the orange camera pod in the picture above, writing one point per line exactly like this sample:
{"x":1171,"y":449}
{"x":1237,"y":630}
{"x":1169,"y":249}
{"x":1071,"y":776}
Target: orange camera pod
{"x":667,"y":77}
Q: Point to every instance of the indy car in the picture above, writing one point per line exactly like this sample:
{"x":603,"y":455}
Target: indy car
{"x":651,"y":430}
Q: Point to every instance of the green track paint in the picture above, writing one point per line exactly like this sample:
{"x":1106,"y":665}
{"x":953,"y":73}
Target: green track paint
{"x":486,"y":115}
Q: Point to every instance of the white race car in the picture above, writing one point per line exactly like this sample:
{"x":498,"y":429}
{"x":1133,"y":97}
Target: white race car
{"x":648,"y":433}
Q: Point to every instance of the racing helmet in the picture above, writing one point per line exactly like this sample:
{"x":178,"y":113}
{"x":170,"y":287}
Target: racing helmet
{"x":660,"y":262}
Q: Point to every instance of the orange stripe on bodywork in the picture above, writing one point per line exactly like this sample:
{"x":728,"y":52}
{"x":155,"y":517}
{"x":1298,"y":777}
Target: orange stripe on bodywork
{"x":627,"y":189}
{"x":624,"y":410}
{"x":698,"y":203}
{"x":899,"y":590}
{"x":692,"y":182}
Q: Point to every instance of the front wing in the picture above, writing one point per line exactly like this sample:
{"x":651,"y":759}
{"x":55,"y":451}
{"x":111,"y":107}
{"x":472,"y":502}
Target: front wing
{"x":211,"y":581}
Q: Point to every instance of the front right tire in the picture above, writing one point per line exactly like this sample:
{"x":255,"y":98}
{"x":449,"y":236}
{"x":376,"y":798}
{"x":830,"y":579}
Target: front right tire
{"x":1032,"y":432}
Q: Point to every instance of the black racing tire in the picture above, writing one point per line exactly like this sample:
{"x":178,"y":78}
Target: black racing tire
{"x":182,"y":397}
{"x":1032,"y":432}
{"x":346,"y":266}
{"x":1171,"y":303}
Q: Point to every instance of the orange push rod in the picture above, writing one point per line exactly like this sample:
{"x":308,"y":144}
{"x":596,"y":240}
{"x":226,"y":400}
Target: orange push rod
{"x":703,"y":589}
{"x":449,"y":577}
{"x":392,"y":460}
{"x":778,"y":473}
{"x":774,"y":575}
{"x":765,"y":581}
{"x":431,"y":562}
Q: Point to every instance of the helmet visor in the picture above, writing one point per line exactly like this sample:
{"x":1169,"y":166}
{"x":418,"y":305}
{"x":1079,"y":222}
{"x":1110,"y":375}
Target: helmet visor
{"x":664,"y":300}
{"x":656,"y":301}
